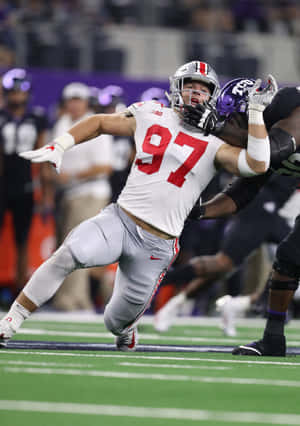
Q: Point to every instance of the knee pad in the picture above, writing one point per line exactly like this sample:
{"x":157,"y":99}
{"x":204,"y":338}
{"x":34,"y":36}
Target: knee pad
{"x":290,"y":285}
{"x":64,"y":258}
{"x":111,"y":323}
{"x":286,"y":268}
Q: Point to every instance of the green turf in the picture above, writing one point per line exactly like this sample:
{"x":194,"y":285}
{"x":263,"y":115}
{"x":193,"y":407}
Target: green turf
{"x":39,"y":376}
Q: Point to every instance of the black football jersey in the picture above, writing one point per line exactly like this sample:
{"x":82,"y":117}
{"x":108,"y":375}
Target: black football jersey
{"x":17,"y":135}
{"x":285,"y":101}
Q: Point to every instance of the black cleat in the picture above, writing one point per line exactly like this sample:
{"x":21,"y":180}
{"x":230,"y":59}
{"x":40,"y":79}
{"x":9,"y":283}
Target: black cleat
{"x":270,"y":345}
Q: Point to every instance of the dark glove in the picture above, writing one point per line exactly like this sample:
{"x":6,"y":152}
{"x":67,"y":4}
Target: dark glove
{"x":198,"y":211}
{"x":204,"y":117}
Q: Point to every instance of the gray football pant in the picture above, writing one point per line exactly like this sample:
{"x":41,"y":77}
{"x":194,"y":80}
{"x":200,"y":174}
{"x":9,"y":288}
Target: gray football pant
{"x":109,"y":237}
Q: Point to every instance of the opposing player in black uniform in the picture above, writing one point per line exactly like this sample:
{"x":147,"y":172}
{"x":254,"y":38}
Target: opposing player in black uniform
{"x":282,"y":118}
{"x":236,"y":244}
{"x":239,"y":240}
{"x":20,"y":129}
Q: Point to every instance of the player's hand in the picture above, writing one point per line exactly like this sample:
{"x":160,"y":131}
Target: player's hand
{"x":259,"y":99}
{"x":51,"y":152}
{"x":203,"y":116}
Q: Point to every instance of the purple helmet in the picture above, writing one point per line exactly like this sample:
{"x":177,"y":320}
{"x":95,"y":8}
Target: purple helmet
{"x":16,"y":79}
{"x":156,"y":94}
{"x":234,"y":96}
{"x":111,"y":95}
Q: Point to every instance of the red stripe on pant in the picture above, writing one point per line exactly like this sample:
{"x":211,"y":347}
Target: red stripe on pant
{"x":161,"y":276}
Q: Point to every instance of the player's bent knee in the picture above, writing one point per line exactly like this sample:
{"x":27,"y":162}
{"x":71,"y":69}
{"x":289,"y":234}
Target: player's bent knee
{"x":286,"y":268}
{"x":224,"y":263}
{"x":113,"y":324}
{"x":64,"y":258}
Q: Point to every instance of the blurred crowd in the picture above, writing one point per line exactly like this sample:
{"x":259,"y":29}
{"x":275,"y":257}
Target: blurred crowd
{"x":43,"y":25}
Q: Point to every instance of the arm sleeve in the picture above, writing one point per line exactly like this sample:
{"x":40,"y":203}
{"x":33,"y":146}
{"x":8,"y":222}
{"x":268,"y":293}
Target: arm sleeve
{"x":243,"y":190}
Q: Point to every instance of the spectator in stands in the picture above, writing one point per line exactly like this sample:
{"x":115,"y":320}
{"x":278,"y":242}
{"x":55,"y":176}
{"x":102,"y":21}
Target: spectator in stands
{"x":85,"y":190}
{"x":284,"y":17}
{"x":250,"y":15}
{"x":20,"y":128}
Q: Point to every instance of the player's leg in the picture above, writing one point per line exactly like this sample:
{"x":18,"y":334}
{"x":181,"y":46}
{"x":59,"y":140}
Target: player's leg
{"x":142,"y":265}
{"x":74,"y":293}
{"x":283,"y":283}
{"x":22,"y":211}
{"x":97,"y":241}
{"x":200,"y":271}
{"x":244,"y":234}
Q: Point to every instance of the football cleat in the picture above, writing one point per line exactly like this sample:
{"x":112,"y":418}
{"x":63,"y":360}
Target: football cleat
{"x":270,"y":345}
{"x":128,"y":341}
{"x":6,"y":331}
{"x":165,"y":317}
{"x":230,"y":308}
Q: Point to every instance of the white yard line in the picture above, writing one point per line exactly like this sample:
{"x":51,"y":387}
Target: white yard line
{"x":88,"y":317}
{"x":127,"y":356}
{"x":176,"y":366}
{"x":150,"y":412}
{"x":162,"y":377}
{"x":43,"y":364}
{"x":157,"y":337}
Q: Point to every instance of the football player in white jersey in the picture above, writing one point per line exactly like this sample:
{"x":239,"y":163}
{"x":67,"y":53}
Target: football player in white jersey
{"x":173,"y":165}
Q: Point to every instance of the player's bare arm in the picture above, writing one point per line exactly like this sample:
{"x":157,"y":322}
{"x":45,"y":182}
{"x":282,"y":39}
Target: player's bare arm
{"x":122,"y":124}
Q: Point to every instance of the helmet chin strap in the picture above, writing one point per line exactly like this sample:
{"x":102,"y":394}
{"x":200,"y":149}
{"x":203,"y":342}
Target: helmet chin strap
{"x":168,"y":97}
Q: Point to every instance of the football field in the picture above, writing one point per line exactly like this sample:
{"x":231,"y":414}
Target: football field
{"x":179,"y":378}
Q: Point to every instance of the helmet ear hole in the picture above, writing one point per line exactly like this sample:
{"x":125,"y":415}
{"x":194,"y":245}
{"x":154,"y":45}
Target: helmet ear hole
{"x":234,"y":97}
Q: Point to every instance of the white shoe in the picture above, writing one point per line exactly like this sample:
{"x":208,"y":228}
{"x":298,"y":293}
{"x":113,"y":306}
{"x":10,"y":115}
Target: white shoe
{"x":230,"y":308}
{"x":6,"y":331}
{"x":127,"y":342}
{"x":165,"y":317}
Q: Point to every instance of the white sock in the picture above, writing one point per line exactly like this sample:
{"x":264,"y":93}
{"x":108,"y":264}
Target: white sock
{"x":16,"y":315}
{"x":242,"y":303}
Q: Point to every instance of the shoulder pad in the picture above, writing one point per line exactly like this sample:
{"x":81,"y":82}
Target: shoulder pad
{"x":147,"y":106}
{"x":284,"y":102}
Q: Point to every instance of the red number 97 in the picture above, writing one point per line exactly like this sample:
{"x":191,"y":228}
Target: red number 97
{"x":177,"y":177}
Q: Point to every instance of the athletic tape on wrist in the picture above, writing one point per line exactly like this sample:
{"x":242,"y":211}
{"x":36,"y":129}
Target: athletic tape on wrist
{"x":256,"y":115}
{"x":65,"y":141}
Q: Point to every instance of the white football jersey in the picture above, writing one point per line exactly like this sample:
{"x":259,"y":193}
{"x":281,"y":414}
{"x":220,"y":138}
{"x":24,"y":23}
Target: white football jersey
{"x":173,"y":165}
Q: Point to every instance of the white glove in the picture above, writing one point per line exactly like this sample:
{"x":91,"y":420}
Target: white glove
{"x":259,"y":99}
{"x":52,"y":152}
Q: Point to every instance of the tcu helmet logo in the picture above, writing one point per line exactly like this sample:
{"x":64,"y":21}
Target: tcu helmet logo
{"x":291,"y":166}
{"x":241,"y":86}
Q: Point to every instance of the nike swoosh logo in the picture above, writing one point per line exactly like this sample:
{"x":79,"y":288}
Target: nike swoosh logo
{"x":155,"y":258}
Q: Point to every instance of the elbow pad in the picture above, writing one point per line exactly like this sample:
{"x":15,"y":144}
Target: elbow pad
{"x":243,"y":165}
{"x":282,"y":146}
{"x":259,"y":150}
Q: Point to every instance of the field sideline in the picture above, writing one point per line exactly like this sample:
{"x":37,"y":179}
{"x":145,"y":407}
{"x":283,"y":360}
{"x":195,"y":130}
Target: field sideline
{"x":72,"y":387}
